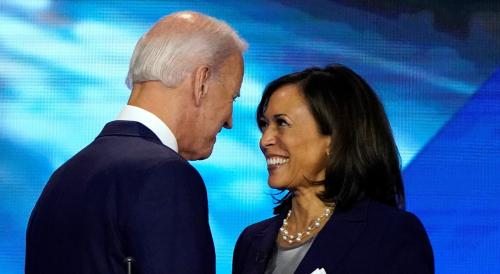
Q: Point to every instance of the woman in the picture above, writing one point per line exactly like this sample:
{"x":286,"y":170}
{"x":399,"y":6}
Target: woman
{"x":327,"y":141}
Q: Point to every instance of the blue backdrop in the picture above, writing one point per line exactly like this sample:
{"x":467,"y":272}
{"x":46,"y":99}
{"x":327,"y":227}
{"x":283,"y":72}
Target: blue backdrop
{"x":435,"y":65}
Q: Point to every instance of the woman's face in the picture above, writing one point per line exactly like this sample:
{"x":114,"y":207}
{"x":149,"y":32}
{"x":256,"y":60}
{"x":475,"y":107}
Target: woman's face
{"x":295,"y":151}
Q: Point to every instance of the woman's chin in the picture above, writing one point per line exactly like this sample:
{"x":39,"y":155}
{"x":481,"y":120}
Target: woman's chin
{"x":277,"y":184}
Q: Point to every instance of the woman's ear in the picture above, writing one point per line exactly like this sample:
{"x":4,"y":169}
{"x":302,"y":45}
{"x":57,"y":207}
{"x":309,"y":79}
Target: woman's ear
{"x":201,"y":76}
{"x":328,"y":143}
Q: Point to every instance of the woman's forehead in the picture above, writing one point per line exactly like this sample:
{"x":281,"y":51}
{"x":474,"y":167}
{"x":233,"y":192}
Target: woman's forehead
{"x":287,"y":100}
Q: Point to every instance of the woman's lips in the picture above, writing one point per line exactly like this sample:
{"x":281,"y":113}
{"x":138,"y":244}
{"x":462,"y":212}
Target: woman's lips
{"x":275,"y":162}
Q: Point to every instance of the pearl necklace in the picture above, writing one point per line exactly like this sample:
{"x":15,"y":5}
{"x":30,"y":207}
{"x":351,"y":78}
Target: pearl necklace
{"x":285,"y":235}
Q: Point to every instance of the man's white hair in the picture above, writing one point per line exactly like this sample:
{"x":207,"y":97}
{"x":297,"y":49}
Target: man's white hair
{"x":179,"y":43}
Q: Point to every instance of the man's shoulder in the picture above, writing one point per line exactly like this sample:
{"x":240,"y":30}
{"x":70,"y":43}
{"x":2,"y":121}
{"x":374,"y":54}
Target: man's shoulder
{"x":127,"y":152}
{"x":129,"y":161}
{"x":131,"y":146}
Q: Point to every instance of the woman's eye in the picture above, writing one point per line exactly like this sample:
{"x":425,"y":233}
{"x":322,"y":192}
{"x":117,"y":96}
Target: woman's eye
{"x":281,"y":122}
{"x":262,"y":125}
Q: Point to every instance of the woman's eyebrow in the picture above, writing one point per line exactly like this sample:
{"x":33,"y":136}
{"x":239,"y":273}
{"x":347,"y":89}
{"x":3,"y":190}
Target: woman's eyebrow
{"x":274,"y":117}
{"x":279,"y":115}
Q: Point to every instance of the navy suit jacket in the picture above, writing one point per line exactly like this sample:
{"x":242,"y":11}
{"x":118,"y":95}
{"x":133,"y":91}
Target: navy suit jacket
{"x":126,"y":194}
{"x":368,"y":238}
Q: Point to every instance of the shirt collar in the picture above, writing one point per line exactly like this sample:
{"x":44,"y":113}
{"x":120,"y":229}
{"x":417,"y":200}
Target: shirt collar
{"x":151,"y":121}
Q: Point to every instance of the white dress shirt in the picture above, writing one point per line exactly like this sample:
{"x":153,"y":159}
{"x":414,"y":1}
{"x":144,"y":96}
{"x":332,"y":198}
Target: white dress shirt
{"x":151,"y":121}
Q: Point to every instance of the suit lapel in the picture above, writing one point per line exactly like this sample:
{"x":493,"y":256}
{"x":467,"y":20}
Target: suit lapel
{"x":263,"y":244}
{"x":335,"y":239}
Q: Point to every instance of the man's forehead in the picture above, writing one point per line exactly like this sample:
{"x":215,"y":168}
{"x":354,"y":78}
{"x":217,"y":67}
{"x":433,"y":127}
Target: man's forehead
{"x":232,"y":74}
{"x":234,"y":64}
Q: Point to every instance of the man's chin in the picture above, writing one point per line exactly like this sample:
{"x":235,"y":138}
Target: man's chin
{"x":203,"y":155}
{"x":198,"y":152}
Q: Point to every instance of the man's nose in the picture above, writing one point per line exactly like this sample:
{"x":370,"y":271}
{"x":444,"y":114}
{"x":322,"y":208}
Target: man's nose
{"x":229,"y":123}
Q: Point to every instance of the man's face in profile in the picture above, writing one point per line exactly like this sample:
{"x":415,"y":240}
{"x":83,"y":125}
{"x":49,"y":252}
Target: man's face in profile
{"x":223,"y":89}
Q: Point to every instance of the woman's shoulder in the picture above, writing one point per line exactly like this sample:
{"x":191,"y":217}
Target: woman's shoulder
{"x":398,"y":225}
{"x":387,"y":214}
{"x":399,"y":230}
{"x":261,"y":225}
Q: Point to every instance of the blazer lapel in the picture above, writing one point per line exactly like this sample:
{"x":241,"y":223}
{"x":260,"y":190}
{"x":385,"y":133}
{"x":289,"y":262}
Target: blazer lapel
{"x":335,"y":239}
{"x":262,"y":245}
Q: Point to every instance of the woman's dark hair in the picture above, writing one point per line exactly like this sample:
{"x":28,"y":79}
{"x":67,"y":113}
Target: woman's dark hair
{"x":364,"y":160}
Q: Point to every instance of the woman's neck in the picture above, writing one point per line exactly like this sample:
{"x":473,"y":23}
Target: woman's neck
{"x":306,"y":207}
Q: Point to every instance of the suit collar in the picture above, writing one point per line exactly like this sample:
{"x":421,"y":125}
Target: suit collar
{"x":335,"y":239}
{"x":264,"y":243}
{"x":357,"y":213}
{"x":129,"y":128}
{"x":151,"y":121}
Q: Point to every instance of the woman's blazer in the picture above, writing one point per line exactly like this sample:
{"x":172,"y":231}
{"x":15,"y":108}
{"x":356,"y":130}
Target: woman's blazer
{"x":368,"y":238}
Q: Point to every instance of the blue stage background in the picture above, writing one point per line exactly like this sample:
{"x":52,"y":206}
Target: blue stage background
{"x":435,"y":65}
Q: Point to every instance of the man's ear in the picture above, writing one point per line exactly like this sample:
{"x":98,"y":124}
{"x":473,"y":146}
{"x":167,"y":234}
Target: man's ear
{"x":201,"y":76}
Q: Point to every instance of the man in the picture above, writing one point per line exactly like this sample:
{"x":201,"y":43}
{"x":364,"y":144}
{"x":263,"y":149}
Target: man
{"x":131,"y":194}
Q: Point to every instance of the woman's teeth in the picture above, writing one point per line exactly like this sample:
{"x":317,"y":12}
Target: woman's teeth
{"x":277,"y":161}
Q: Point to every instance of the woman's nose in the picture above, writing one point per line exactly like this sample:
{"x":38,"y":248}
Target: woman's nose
{"x":268,"y":138}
